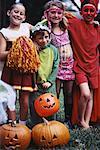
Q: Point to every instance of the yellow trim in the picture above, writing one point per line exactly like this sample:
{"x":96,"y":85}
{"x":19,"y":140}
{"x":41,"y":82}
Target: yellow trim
{"x":30,"y":89}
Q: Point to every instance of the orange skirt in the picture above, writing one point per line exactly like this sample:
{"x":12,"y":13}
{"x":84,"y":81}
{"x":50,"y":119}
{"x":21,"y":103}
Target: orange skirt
{"x":95,"y":117}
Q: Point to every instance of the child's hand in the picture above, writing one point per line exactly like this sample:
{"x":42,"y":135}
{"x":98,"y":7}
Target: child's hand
{"x":46,"y":85}
{"x":69,"y":15}
{"x":35,"y":88}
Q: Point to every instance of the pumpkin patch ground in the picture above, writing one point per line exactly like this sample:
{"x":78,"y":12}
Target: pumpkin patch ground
{"x":79,"y":139}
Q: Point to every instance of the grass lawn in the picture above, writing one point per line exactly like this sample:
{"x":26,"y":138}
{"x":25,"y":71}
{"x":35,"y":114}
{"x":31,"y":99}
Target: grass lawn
{"x":80,"y":139}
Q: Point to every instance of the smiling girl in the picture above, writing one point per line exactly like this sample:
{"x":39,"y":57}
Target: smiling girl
{"x":18,"y":80}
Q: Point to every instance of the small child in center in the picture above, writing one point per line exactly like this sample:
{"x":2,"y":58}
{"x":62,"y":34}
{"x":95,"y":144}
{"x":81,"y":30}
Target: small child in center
{"x":49,"y":61}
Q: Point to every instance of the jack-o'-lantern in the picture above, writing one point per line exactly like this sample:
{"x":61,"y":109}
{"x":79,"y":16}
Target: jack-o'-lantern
{"x":15,"y":137}
{"x":1,"y":134}
{"x":50,"y":134}
{"x":46,"y":105}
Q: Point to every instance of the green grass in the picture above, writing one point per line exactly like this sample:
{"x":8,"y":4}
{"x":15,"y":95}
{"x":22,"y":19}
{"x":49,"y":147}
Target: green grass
{"x":80,"y":139}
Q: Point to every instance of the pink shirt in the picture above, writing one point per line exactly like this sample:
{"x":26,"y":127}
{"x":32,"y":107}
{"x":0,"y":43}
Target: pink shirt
{"x":60,"y":40}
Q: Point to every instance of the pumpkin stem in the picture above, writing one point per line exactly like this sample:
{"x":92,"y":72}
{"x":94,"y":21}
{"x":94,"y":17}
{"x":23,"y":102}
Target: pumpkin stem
{"x":45,"y":121}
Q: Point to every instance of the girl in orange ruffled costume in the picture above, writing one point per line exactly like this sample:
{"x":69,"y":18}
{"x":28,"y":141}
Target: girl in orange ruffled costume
{"x":22,"y":60}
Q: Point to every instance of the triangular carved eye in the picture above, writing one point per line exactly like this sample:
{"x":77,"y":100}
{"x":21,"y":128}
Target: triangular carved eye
{"x":43,"y":138}
{"x":53,"y":104}
{"x":54,"y":137}
{"x":16,"y":137}
{"x":8,"y":135}
{"x":40,"y":99}
{"x":52,"y":96}
{"x":48,"y":100}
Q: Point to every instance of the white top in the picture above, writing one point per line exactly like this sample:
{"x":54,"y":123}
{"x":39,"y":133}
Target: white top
{"x":12,"y":35}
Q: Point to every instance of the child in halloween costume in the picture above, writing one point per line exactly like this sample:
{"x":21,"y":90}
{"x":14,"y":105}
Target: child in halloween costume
{"x":7,"y":102}
{"x":54,"y":13}
{"x":49,"y":60}
{"x":85,"y":38}
{"x":20,"y":80}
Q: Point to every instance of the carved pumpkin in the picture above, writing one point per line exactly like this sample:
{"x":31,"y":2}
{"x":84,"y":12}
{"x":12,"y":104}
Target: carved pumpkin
{"x":15,"y":137}
{"x":46,"y":105}
{"x":50,"y":134}
{"x":0,"y":134}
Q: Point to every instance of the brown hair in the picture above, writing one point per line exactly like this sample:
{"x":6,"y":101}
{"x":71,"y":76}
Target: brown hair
{"x":93,"y":2}
{"x":38,"y":32}
{"x":13,"y":6}
{"x":57,"y":3}
{"x":60,"y":5}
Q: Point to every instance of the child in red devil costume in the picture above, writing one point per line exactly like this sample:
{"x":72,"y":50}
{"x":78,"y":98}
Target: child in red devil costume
{"x":85,"y":38}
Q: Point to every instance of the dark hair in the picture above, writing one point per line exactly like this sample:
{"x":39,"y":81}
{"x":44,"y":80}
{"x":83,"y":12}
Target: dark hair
{"x":12,"y":6}
{"x":38,"y":32}
{"x":88,"y":2}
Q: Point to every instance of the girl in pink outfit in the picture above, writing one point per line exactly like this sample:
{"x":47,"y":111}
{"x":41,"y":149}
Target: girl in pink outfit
{"x":54,"y":13}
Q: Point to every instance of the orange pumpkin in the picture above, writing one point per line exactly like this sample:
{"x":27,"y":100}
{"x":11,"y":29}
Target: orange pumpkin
{"x":0,"y":134}
{"x":50,"y":134}
{"x":46,"y":105}
{"x":15,"y":137}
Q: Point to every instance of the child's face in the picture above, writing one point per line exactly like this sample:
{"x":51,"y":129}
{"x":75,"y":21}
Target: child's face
{"x":89,"y":12}
{"x":42,"y":39}
{"x":55,"y":14}
{"x":17,"y":14}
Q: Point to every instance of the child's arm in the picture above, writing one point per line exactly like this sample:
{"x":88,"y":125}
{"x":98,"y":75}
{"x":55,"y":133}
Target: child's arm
{"x":53,"y":74}
{"x":3,"y":52}
{"x":30,"y":26}
{"x":35,"y":88}
{"x":69,"y":15}
{"x":41,"y":74}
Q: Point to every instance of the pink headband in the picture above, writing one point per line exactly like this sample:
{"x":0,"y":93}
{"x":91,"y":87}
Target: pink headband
{"x":51,"y":9}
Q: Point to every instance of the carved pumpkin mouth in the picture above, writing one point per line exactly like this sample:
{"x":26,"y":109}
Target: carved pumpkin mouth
{"x":49,"y":142}
{"x":12,"y":147}
{"x":13,"y":143}
{"x":50,"y":106}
